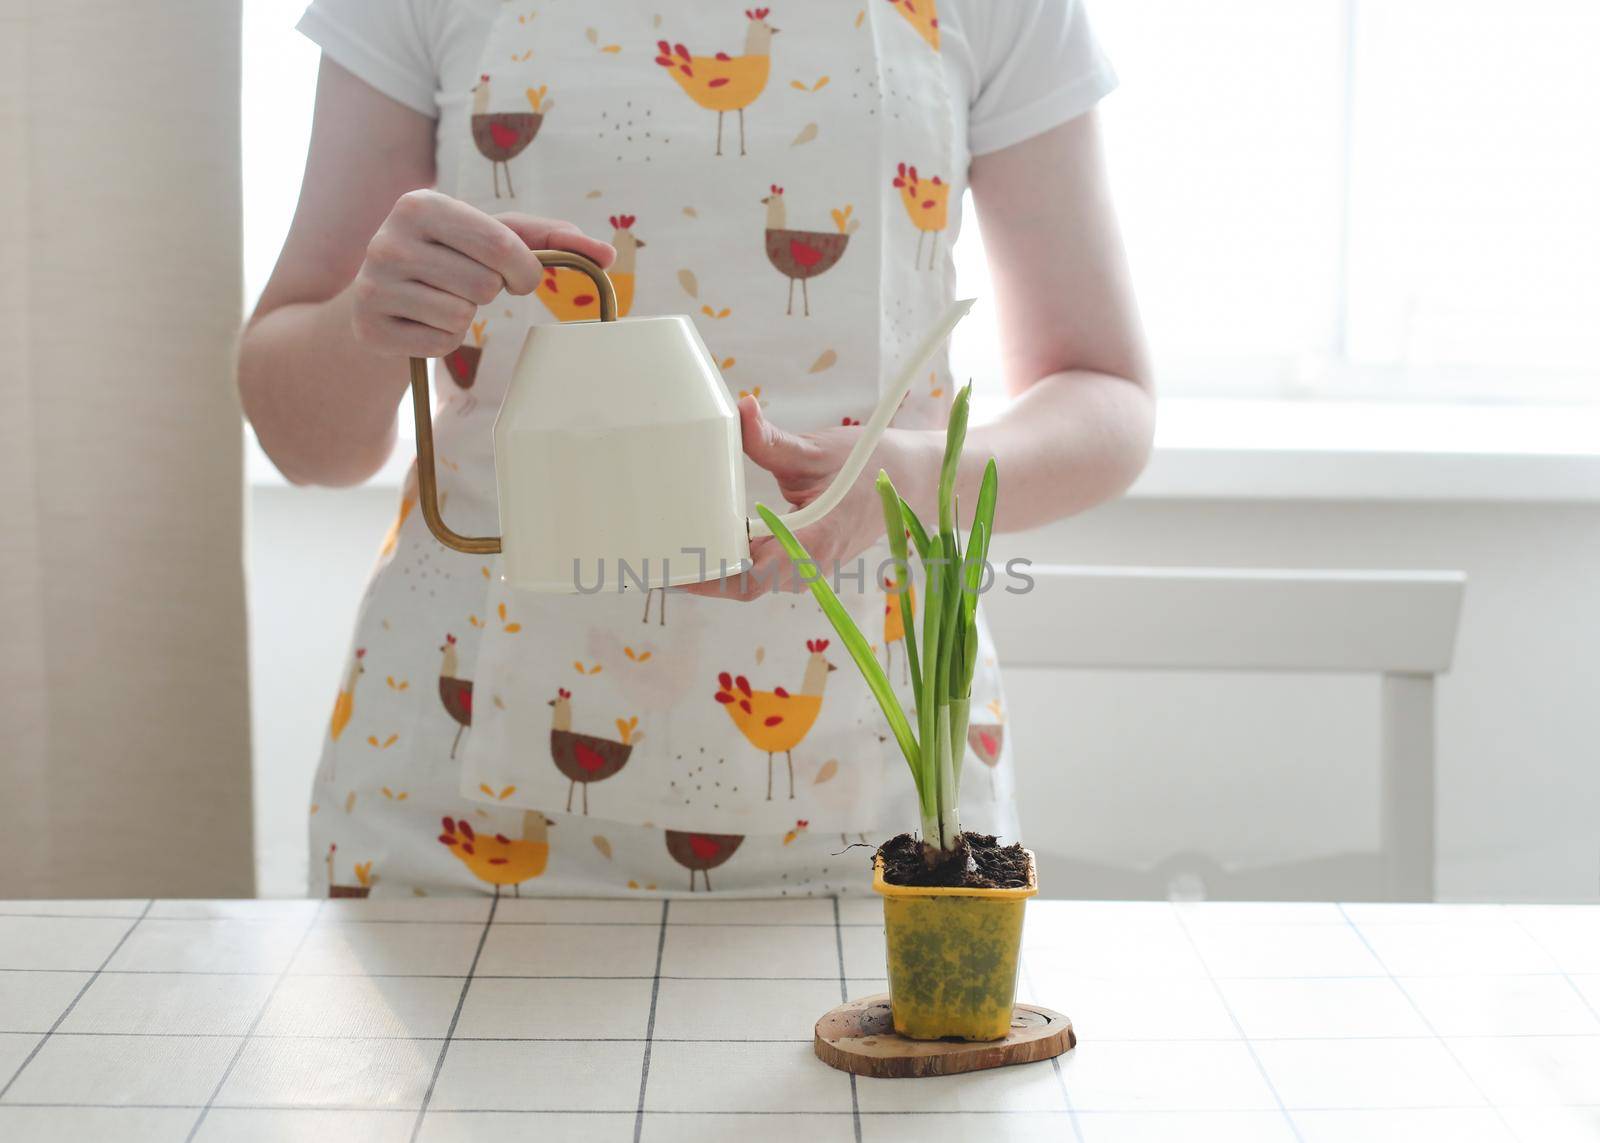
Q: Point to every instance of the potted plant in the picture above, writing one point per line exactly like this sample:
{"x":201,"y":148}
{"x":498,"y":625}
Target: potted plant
{"x":952,"y":901}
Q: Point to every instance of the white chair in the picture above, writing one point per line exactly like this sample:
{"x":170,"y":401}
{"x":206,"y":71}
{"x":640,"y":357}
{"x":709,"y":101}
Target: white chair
{"x":1400,"y":625}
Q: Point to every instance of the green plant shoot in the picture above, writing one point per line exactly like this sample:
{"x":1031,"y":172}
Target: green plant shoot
{"x":942,"y":660}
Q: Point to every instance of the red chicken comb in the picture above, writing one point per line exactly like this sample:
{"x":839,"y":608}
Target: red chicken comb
{"x":816,"y":646}
{"x":756,"y":13}
{"x":776,"y":189}
{"x":621,"y":221}
{"x":360,"y":652}
{"x":484,"y":78}
{"x":449,"y":638}
{"x":563,"y":692}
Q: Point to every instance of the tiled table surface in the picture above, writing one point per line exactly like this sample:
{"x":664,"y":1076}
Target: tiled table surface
{"x":622,"y":1020}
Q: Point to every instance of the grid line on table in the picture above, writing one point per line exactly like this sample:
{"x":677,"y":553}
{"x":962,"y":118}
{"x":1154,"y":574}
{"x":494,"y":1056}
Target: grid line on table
{"x":199,"y":918}
{"x":650,"y":1022}
{"x":1001,"y":1111}
{"x":1426,"y":1023}
{"x":88,"y":984}
{"x":844,"y":998}
{"x":1026,"y":972}
{"x":672,"y":976}
{"x":320,"y":919}
{"x":455,"y":1018}
{"x":1562,"y":972}
{"x":378,"y":1037}
{"x":1294,"y":1128}
{"x":200,"y":1119}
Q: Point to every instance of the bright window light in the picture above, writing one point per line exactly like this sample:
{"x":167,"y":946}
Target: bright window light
{"x":1363,"y":199}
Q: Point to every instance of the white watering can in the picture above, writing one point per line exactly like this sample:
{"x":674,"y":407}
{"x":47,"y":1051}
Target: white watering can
{"x":618,"y":441}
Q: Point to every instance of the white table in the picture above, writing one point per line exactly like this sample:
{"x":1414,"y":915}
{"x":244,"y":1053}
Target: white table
{"x":618,"y":1020}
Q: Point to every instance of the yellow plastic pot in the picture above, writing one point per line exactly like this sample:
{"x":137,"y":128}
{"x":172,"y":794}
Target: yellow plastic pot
{"x":953,"y":957}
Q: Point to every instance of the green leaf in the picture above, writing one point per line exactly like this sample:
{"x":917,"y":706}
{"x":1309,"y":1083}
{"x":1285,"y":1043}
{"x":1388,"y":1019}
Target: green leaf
{"x":955,"y":437}
{"x":950,"y":624}
{"x":919,"y":534}
{"x":932,"y":691}
{"x":854,"y":642}
{"x":977,"y":560}
{"x":983,"y":518}
{"x":894,"y":528}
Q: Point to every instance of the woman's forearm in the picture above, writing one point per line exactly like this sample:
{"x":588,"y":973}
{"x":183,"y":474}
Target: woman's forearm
{"x":322,"y":404}
{"x":1068,"y":442}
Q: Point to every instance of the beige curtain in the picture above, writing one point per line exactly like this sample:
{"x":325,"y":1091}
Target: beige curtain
{"x":124,"y":736}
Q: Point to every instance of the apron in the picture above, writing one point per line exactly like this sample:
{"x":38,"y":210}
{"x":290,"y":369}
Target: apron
{"x":787,"y":178}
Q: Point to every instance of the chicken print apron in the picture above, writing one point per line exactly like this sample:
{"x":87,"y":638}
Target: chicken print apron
{"x":787,"y":177}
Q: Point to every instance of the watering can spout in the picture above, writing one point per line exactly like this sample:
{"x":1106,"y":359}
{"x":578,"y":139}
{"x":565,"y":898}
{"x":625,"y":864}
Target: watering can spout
{"x":874,"y":428}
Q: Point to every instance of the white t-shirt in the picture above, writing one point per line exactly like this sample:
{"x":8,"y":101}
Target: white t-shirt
{"x":1020,"y":67}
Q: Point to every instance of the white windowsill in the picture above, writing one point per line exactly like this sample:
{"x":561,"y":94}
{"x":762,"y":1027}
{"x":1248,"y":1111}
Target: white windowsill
{"x":1326,"y":450}
{"x":1323,"y":450}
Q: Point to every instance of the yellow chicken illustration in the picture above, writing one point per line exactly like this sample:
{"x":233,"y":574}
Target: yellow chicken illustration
{"x":408,"y":501}
{"x":724,"y":83}
{"x":569,"y":294}
{"x":776,"y":721}
{"x":500,"y":860}
{"x":927,"y":203}
{"x":923,"y":15}
{"x":894,"y":627}
{"x":344,"y":706}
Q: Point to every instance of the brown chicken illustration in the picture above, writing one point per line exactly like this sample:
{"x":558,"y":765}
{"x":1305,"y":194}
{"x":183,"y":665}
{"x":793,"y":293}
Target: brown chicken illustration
{"x":503,"y":135}
{"x":583,"y":758}
{"x":454,"y":691}
{"x":801,"y":255}
{"x":701,"y":852}
{"x":365,"y":878}
{"x":462,"y":361}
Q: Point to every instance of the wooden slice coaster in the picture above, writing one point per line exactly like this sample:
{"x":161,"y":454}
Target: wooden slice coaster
{"x":859,"y":1037}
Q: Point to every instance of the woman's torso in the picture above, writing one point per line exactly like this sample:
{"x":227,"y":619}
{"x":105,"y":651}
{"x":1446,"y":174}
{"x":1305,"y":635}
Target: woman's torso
{"x":481,"y":701}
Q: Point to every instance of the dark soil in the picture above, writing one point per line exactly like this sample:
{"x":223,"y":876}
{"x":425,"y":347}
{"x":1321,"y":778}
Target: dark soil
{"x":978,"y":861}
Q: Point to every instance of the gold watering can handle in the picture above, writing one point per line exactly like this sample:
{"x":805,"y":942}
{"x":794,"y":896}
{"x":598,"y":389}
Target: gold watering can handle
{"x":427,"y":473}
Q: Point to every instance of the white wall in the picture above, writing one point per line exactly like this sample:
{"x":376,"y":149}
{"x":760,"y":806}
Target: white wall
{"x":1126,"y":769}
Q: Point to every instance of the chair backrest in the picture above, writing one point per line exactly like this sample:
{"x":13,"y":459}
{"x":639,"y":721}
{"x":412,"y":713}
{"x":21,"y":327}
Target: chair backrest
{"x":1400,"y":625}
{"x":1226,"y":619}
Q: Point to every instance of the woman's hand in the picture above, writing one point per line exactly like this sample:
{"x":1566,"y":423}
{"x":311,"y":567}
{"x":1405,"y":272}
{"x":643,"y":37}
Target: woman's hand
{"x":804,"y":464}
{"x":435,"y":260}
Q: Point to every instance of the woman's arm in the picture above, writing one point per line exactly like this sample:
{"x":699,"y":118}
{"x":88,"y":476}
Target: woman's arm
{"x":374,"y":268}
{"x":1077,"y":429}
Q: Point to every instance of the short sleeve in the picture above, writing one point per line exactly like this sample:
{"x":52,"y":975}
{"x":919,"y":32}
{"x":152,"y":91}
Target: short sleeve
{"x":385,"y":45}
{"x":1038,"y":65}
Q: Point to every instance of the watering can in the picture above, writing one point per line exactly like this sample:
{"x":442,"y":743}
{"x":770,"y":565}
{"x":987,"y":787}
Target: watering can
{"x":618,"y":442}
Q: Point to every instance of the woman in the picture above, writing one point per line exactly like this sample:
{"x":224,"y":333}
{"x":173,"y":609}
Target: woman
{"x":792,"y":178}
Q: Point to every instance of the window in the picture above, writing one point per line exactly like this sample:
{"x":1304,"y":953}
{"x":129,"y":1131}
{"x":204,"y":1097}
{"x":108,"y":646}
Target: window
{"x":1394,"y":199}
{"x":278,"y":92}
{"x":1391,"y":199}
